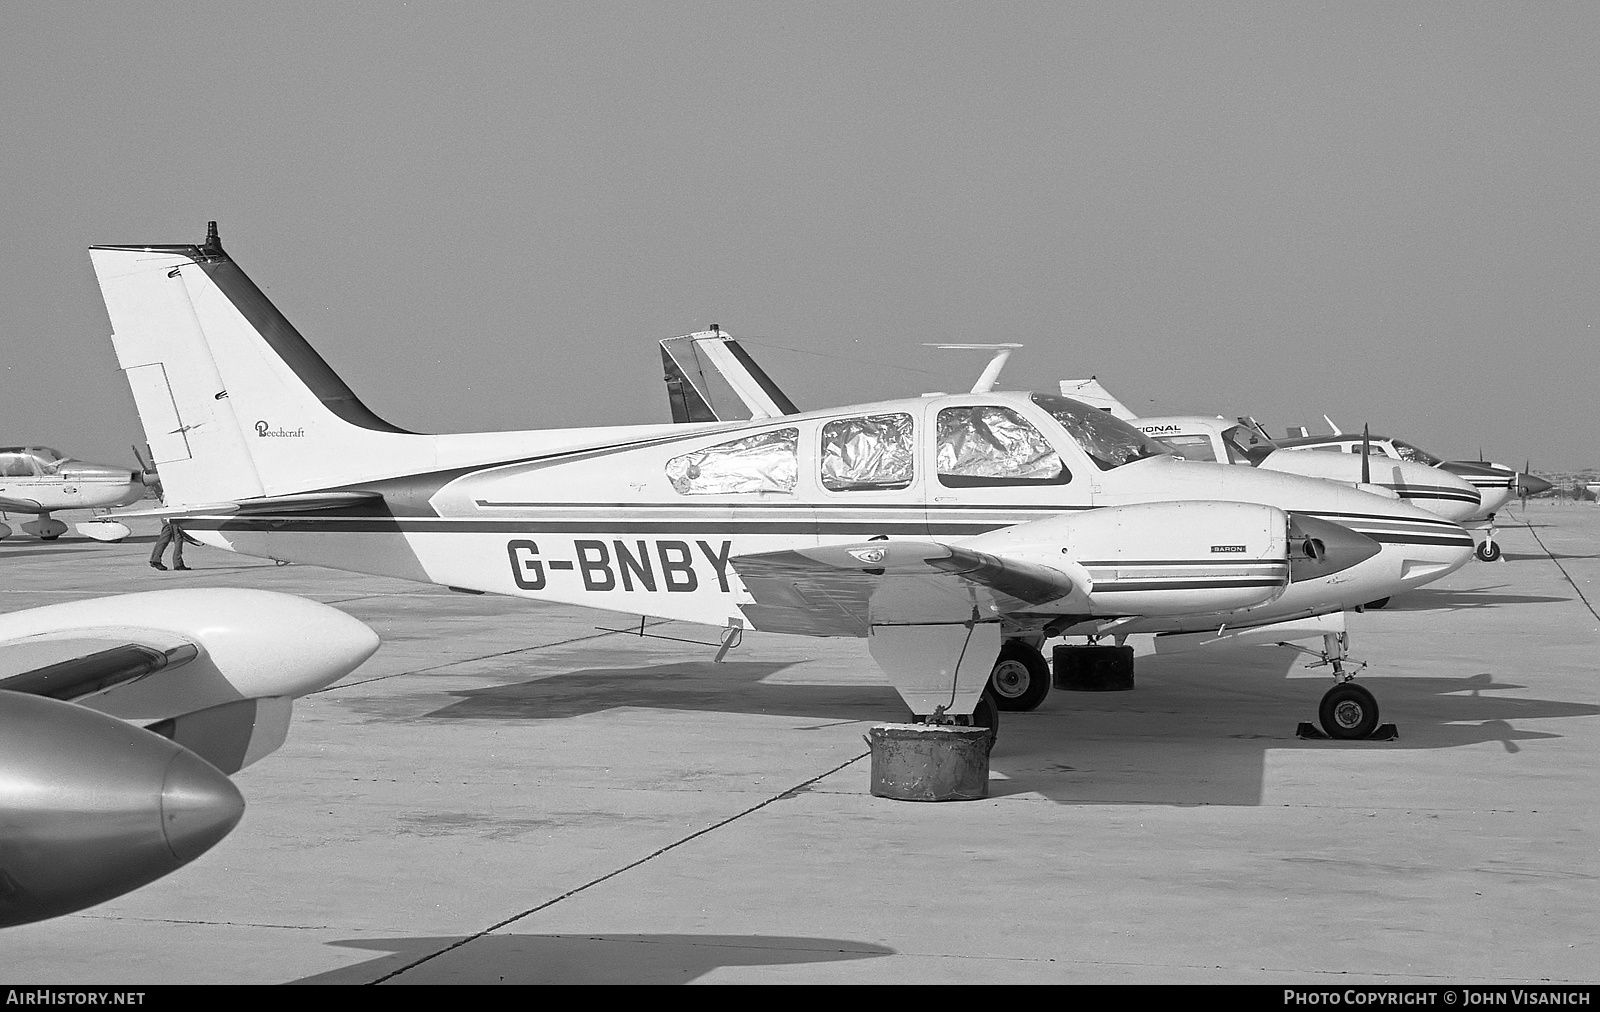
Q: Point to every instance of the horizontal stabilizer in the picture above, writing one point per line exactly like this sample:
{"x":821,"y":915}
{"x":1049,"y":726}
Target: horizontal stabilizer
{"x":301,"y":502}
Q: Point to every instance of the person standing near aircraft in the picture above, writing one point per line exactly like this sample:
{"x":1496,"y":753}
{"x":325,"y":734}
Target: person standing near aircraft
{"x":171,"y":534}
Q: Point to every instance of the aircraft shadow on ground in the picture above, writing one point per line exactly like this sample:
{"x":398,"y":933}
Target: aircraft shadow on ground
{"x":8,"y":552}
{"x":1195,"y":729}
{"x":1542,"y":556}
{"x":1461,"y":600}
{"x":729,"y":687}
{"x":583,"y":959}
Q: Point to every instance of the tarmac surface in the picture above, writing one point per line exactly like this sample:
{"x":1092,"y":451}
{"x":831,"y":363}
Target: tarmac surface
{"x":509,"y":793}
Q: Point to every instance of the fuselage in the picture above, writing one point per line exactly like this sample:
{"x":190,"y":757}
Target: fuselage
{"x":654,"y":524}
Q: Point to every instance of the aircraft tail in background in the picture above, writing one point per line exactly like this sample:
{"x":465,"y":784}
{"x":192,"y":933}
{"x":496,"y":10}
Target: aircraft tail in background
{"x":711,"y":378}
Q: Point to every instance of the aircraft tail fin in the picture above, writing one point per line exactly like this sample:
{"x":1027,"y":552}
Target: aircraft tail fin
{"x":1090,"y":392}
{"x":235,"y":403}
{"x":711,"y":378}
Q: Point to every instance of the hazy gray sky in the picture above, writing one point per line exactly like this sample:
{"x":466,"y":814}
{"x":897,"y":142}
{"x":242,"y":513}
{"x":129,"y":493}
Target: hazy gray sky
{"x":484,"y":215}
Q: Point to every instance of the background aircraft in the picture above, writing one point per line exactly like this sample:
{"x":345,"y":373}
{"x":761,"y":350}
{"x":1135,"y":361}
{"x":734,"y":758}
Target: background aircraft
{"x":941,"y":529}
{"x":1468,"y":492}
{"x":120,"y":719}
{"x":38,"y":480}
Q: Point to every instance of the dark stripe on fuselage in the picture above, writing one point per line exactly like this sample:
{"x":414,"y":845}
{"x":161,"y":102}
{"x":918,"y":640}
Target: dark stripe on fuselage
{"x":1130,"y":586}
{"x":301,"y":524}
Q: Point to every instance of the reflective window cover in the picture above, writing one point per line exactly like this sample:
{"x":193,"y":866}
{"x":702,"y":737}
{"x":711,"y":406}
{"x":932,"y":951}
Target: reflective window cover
{"x":1109,"y":441}
{"x":990,"y":445}
{"x":765,"y":462}
{"x":1191,"y":447}
{"x":867,"y":453}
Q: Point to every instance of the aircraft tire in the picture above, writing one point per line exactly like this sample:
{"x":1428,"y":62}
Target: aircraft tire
{"x":1489,"y":551}
{"x":1020,"y":679}
{"x":1348,"y":711}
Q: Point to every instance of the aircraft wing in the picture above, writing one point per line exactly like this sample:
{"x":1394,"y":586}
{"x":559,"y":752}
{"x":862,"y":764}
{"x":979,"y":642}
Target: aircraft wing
{"x":79,"y":662}
{"x":842,"y":590}
{"x":19,"y":505}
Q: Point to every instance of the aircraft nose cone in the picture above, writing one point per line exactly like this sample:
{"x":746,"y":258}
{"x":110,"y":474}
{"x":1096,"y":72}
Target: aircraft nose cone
{"x":1338,"y":547}
{"x":199,"y":805}
{"x":1531,"y":485}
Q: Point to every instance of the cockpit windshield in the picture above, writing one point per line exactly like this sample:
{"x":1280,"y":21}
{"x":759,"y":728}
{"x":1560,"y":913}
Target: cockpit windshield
{"x":22,"y":461}
{"x":1108,"y":440}
{"x":1415,"y":454}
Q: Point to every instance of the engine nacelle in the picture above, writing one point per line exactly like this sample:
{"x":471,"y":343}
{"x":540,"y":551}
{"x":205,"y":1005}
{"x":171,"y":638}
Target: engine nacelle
{"x":253,"y":644}
{"x":1168,"y":558}
{"x":91,"y":807}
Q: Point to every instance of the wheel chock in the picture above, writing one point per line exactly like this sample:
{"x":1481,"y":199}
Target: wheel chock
{"x":1311,"y":732}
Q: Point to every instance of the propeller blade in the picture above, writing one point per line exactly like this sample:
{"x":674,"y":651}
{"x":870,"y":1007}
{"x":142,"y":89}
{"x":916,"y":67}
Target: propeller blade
{"x":1366,"y":460}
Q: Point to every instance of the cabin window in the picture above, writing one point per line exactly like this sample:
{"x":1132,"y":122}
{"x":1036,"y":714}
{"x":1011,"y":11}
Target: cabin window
{"x":1109,"y":441}
{"x":765,"y":462}
{"x":988,"y":445}
{"x":874,"y":452}
{"x":15,"y":465}
{"x":1191,"y":447}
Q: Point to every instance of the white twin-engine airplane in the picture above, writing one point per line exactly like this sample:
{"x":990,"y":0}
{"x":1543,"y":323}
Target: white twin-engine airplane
{"x":950,"y":532}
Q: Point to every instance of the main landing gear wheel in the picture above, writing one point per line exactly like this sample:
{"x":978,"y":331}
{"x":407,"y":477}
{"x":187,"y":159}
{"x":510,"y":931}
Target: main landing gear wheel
{"x":1020,"y":679}
{"x":1348,"y":711}
{"x":1488,"y":551}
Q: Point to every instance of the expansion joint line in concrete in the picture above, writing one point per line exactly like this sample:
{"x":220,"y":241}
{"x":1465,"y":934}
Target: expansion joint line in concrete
{"x":1563,"y":569}
{"x":791,"y":792}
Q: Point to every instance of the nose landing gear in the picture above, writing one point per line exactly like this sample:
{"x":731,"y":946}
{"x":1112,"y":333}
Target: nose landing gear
{"x":1488,"y":550}
{"x":1348,"y":711}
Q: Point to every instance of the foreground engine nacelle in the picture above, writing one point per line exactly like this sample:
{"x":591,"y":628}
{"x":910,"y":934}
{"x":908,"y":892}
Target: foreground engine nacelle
{"x":91,"y":807}
{"x":1169,"y":558}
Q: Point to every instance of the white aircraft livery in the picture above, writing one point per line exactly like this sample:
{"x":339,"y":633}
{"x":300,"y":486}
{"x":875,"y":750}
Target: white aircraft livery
{"x":948,"y":531}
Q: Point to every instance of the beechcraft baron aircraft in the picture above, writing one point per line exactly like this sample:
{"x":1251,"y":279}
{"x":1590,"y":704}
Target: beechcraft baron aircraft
{"x":121,"y":717}
{"x":38,"y":480}
{"x":946,"y":531}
